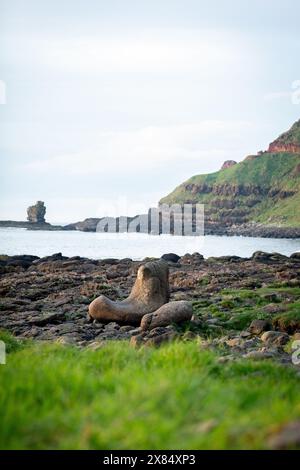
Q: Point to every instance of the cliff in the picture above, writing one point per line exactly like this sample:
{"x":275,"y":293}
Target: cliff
{"x":262,"y":189}
{"x":288,"y":141}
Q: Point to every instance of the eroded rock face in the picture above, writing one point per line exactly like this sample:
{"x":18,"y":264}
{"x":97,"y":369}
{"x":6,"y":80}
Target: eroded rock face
{"x":150,"y":291}
{"x":288,"y":141}
{"x":36,"y":213}
{"x":276,"y":147}
{"x":228,"y":164}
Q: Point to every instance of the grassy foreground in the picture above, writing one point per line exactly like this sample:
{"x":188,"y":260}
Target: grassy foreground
{"x":117,"y":397}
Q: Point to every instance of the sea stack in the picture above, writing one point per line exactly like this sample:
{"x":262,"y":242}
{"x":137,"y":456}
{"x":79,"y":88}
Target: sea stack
{"x":36,"y":213}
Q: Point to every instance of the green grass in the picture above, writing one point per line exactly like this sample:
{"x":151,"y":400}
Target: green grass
{"x":289,"y":321}
{"x":117,"y":397}
{"x":292,"y":136}
{"x":11,"y":343}
{"x":236,"y":308}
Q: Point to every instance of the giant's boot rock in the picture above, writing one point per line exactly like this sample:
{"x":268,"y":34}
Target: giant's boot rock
{"x":150,"y":291}
{"x":172,"y":312}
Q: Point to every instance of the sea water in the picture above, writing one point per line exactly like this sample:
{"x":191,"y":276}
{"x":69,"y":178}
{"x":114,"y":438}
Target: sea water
{"x":16,"y":241}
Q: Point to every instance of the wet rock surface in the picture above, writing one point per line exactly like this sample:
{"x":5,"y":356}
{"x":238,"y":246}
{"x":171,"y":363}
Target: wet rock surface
{"x":242,"y":307}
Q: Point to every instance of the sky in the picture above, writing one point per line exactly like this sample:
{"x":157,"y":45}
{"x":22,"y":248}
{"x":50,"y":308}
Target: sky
{"x":107,"y":106}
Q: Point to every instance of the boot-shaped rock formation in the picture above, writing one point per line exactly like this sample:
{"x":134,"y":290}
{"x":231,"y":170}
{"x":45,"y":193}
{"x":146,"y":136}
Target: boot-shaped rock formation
{"x":150,"y":291}
{"x":172,"y":312}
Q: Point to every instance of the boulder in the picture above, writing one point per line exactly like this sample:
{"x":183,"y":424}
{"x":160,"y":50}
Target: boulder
{"x":275,"y":338}
{"x":171,"y":257}
{"x":259,"y":326}
{"x":195,"y":258}
{"x":172,"y":312}
{"x":155,"y":337}
{"x":268,"y":257}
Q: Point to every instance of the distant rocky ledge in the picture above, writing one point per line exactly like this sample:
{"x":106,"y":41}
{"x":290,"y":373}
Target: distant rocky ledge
{"x":30,"y":225}
{"x":246,"y":230}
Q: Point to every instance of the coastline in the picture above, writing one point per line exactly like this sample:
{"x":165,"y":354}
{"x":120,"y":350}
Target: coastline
{"x":247,"y":230}
{"x":30,"y":225}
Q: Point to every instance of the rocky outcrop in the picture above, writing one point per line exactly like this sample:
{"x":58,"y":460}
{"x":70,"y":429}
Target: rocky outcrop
{"x":227,"y":189}
{"x":198,"y":188}
{"x":87,"y":225}
{"x":276,"y":147}
{"x":228,"y":164}
{"x":36,"y":213}
{"x":288,"y":141}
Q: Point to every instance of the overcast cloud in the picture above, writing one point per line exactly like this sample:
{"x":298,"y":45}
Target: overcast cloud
{"x":110,"y":105}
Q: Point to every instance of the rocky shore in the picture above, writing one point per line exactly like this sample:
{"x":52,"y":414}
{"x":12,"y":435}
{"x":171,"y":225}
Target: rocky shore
{"x":246,"y":230}
{"x":253,"y":230}
{"x":31,"y":225}
{"x":241,"y":306}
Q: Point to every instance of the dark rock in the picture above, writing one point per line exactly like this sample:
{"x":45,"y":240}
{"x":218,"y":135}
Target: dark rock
{"x":136,"y":331}
{"x":44,"y":320}
{"x":172,"y":257}
{"x":268,"y":257}
{"x":127,"y":328}
{"x":271,"y":297}
{"x":195,"y":258}
{"x":112,"y":326}
{"x":258,"y":326}
{"x":87,"y":225}
{"x":110,"y":261}
{"x":22,"y":261}
{"x":228,"y":258}
{"x":158,"y":339}
{"x":245,"y":334}
{"x":137,"y":340}
{"x":258,"y":355}
{"x":274,"y":308}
